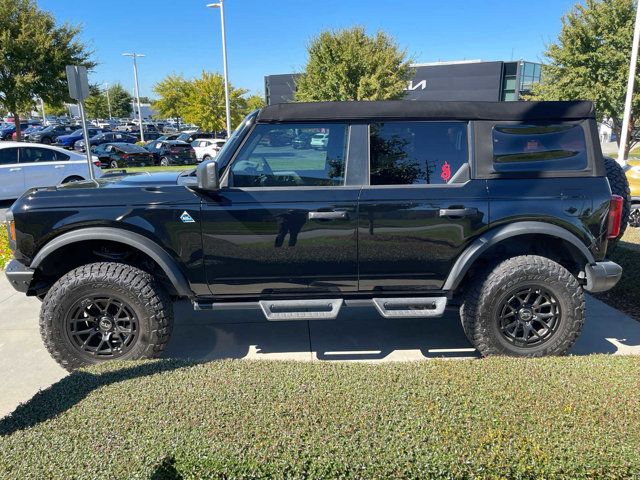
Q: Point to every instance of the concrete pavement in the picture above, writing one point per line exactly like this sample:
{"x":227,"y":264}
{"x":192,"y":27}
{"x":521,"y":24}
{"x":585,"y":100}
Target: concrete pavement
{"x":358,"y":335}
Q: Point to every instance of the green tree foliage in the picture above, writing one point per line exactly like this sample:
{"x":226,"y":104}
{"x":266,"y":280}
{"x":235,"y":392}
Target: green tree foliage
{"x":173,"y":92}
{"x":254,"y":102}
{"x":206,"y":104}
{"x":120,"y":101}
{"x":350,"y":65}
{"x":96,"y":104}
{"x":33,"y":54}
{"x":58,"y":109}
{"x":590,"y":60}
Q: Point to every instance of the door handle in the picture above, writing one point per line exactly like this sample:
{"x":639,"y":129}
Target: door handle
{"x":458,"y":212}
{"x":341,"y":215}
{"x":15,"y":169}
{"x":59,"y":166}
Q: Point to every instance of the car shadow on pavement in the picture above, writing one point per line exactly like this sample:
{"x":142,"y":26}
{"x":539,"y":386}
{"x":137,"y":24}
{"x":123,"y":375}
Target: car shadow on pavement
{"x":61,"y":396}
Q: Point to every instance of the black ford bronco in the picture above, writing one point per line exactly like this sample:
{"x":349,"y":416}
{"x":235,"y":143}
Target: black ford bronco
{"x":503,"y":210}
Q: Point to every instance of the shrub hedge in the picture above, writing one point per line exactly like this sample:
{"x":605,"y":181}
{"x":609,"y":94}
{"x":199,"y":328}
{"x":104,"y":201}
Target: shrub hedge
{"x":566,"y":417}
{"x":5,"y":253}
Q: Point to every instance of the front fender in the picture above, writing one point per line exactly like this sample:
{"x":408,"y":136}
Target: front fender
{"x":135,"y":240}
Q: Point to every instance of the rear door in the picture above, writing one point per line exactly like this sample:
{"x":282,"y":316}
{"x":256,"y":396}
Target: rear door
{"x":420,"y":209}
{"x":286,"y":222}
{"x":11,"y":174}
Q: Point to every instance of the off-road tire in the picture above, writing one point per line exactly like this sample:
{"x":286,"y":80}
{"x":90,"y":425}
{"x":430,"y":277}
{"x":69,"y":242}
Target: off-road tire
{"x":147,"y":299}
{"x":479,"y":311}
{"x":619,"y":186}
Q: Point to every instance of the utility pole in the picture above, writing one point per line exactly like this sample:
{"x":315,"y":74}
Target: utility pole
{"x":135,"y":55}
{"x":108,"y":99}
{"x":227,"y":104}
{"x":630,"y":84}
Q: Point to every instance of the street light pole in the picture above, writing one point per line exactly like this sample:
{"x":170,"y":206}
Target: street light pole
{"x":135,"y":55}
{"x":624,"y":135}
{"x":108,"y":99}
{"x":44,"y":117}
{"x":227,"y":105}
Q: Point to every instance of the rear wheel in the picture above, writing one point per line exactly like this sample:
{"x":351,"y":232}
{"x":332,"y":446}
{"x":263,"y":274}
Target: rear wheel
{"x":206,"y":158}
{"x":634,"y":216}
{"x":164,"y":162}
{"x":526,"y":306}
{"x":113,"y":164}
{"x":105,"y":311}
{"x":619,"y":186}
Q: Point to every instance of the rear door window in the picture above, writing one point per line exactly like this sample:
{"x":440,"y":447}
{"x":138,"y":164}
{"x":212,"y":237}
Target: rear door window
{"x":423,"y":153}
{"x":525,"y":148}
{"x":36,"y":155}
{"x":8,"y":156}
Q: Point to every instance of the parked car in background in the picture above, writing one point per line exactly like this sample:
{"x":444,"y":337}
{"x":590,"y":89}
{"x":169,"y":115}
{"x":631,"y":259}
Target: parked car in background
{"x":118,"y":155}
{"x":191,"y":136}
{"x":128,"y":127}
{"x":172,"y":152}
{"x":302,"y":141}
{"x":49,"y":134}
{"x":106,"y":137}
{"x":320,"y":141}
{"x":24,"y":166}
{"x":149,"y":136}
{"x":7,"y":132}
{"x":27,"y":132}
{"x":69,"y":140}
{"x":207,"y":148}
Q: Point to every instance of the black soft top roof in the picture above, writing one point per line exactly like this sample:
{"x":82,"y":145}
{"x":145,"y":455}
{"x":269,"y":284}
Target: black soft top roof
{"x":425,"y":110}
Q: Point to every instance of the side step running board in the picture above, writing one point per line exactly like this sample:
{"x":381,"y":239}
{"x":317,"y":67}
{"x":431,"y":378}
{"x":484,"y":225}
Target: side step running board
{"x":283,"y":310}
{"x":410,"y":307}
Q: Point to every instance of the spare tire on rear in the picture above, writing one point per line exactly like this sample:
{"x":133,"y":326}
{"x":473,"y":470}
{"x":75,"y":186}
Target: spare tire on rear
{"x":619,"y":186}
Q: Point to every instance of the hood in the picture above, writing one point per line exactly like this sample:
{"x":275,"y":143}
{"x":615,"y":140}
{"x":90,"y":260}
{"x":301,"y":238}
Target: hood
{"x":132,"y":189}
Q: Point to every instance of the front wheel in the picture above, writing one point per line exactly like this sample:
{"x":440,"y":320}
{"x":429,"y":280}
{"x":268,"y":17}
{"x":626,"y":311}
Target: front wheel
{"x":526,"y":306}
{"x":164,"y":162}
{"x":105,"y":311}
{"x":113,"y":164}
{"x":634,"y":216}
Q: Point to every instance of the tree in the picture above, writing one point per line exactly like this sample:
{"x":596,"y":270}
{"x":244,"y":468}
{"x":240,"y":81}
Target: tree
{"x":349,"y":65}
{"x":254,"y":102}
{"x":33,"y":54}
{"x":173,"y":93}
{"x":590,"y":60}
{"x":96,"y":104}
{"x":120,"y":101}
{"x":57,"y":109}
{"x":206,"y":103}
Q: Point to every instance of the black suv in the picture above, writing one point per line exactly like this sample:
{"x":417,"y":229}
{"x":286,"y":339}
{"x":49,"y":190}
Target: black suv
{"x":172,"y":152}
{"x":502,"y":210}
{"x":49,"y":134}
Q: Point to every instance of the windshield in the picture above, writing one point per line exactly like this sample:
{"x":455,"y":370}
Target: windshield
{"x":226,"y":152}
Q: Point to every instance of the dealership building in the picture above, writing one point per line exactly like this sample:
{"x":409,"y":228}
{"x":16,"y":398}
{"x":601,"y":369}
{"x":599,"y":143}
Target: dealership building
{"x":464,"y":80}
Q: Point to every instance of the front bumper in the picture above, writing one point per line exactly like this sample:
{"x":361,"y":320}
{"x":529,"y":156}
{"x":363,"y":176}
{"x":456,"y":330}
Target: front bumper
{"x":602,"y":276}
{"x":19,"y":276}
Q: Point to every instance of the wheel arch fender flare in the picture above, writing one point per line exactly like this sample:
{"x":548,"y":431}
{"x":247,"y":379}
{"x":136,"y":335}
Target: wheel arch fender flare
{"x":132,"y":239}
{"x":499,"y":234}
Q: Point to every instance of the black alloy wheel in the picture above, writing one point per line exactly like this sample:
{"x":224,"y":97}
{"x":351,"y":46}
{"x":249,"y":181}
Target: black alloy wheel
{"x":529,"y":317}
{"x":102,"y":327}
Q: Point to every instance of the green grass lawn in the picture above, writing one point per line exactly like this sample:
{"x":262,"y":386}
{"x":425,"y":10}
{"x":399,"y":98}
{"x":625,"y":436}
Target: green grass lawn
{"x":570,"y":417}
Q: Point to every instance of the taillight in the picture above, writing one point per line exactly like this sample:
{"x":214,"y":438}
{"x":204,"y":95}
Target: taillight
{"x":615,"y":216}
{"x":174,"y":150}
{"x":97,"y":163}
{"x":125,"y":156}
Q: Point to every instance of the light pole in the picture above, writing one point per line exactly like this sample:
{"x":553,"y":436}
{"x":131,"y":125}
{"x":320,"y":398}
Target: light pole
{"x":106,"y":85}
{"x":44,"y":117}
{"x":624,"y":135}
{"x":220,"y":5}
{"x":135,"y":55}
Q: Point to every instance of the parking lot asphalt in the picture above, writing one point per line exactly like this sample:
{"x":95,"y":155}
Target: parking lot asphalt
{"x":357,"y":335}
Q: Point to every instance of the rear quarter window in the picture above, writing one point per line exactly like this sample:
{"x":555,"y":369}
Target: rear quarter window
{"x":528,"y":148}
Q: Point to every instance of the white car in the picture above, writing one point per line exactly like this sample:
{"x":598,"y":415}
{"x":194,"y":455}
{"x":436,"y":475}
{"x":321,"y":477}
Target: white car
{"x":24,"y":166}
{"x":207,"y":148}
{"x":320,"y":140}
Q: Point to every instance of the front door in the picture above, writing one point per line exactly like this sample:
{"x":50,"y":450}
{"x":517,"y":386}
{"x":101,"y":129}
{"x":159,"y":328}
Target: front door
{"x":421,"y":209}
{"x":287,"y":221}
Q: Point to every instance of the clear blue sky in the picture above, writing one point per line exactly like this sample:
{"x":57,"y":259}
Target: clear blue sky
{"x":268,"y":37}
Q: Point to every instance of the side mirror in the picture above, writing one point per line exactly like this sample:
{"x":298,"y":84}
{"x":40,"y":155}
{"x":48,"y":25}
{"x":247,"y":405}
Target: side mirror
{"x":207,"y":175}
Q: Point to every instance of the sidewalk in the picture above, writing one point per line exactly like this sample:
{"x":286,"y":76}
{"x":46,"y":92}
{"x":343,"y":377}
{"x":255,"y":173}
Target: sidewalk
{"x":358,"y":335}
